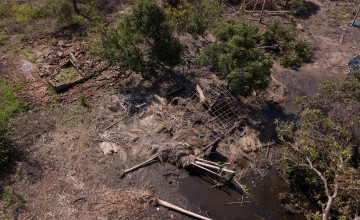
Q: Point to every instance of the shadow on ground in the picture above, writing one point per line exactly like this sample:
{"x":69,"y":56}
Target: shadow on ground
{"x":310,"y":8}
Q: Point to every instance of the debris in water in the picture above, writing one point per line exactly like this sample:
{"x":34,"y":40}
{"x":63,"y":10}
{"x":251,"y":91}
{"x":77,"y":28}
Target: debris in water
{"x":183,"y":158}
{"x":135,"y":103}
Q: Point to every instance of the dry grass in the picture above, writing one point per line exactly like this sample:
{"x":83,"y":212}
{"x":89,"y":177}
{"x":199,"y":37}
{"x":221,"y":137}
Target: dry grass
{"x":131,"y":202}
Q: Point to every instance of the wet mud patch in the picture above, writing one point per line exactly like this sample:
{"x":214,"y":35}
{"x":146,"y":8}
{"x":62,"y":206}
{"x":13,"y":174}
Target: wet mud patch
{"x":233,"y":204}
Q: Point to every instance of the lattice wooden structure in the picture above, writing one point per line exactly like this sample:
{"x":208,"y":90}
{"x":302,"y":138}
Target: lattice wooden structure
{"x":219,"y":111}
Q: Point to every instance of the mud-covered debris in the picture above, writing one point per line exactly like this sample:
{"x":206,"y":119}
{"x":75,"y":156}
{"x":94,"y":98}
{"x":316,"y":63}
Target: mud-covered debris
{"x":109,"y":148}
{"x":249,"y":142}
{"x":354,"y":64}
{"x":135,"y":103}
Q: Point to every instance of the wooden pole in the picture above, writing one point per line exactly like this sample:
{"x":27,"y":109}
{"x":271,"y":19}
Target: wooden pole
{"x":138,"y":166}
{"x":117,"y":121}
{"x":209,"y":162}
{"x":357,"y":14}
{"x":181,"y":210}
{"x":257,"y":1}
{"x":75,"y":6}
{"x":214,"y":167}
{"x":203,"y":168}
{"x":262,"y":11}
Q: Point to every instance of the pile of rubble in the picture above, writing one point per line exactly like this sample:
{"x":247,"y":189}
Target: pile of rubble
{"x":66,"y":54}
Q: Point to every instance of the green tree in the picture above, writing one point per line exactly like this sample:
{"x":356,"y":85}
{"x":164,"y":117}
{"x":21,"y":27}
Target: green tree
{"x":323,"y":148}
{"x":193,"y":17}
{"x":238,"y":58}
{"x":142,"y":41}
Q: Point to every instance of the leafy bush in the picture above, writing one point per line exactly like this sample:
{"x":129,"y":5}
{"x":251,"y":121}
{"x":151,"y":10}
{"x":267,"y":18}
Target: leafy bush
{"x":65,"y":15}
{"x":283,"y":42}
{"x":22,"y":12}
{"x":276,"y":34}
{"x":194,"y":17}
{"x":142,"y":40}
{"x":297,"y":53}
{"x":238,"y":58}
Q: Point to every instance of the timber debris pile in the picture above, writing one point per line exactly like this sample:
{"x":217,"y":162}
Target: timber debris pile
{"x":183,"y":128}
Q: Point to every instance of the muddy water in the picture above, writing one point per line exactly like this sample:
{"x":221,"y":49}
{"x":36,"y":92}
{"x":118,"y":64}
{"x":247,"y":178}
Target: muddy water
{"x":213,"y":202}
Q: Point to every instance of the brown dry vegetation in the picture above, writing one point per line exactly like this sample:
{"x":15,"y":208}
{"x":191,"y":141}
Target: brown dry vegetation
{"x":61,"y":170}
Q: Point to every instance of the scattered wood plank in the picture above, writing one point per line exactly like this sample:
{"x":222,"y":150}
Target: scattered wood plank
{"x":203,"y":168}
{"x":214,"y":167}
{"x":152,"y":159}
{"x":268,"y":12}
{"x":210,"y":162}
{"x":233,"y":203}
{"x":140,"y":105}
{"x":117,"y":121}
{"x":262,"y":11}
{"x":213,"y":144}
{"x":73,"y":61}
{"x":256,"y":3}
{"x":181,"y":210}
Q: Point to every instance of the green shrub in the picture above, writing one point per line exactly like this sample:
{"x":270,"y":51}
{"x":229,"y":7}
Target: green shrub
{"x":82,"y":101}
{"x":142,"y":40}
{"x":27,"y":12}
{"x":297,"y":53}
{"x":276,"y":34}
{"x":194,"y":17}
{"x":283,"y":43}
{"x":4,"y":9}
{"x":237,"y":57}
{"x":202,"y":16}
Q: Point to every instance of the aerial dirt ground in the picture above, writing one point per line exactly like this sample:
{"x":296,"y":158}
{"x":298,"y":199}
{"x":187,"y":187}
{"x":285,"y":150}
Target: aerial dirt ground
{"x":73,"y":155}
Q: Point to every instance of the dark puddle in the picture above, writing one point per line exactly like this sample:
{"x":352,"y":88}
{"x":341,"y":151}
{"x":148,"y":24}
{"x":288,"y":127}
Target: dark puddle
{"x":213,"y":202}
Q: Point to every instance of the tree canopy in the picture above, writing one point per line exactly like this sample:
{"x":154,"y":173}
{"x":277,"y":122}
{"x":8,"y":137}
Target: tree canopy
{"x":237,"y":58}
{"x":142,"y":40}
